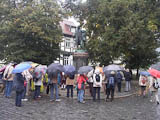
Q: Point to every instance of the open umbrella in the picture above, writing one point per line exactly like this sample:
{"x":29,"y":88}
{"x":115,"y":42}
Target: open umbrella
{"x":68,"y":69}
{"x":156,"y":66}
{"x":145,"y":73}
{"x":54,"y":68}
{"x":84,"y":69}
{"x":3,"y":68}
{"x":41,"y":69}
{"x":113,"y":67}
{"x":154,"y":73}
{"x":21,"y":67}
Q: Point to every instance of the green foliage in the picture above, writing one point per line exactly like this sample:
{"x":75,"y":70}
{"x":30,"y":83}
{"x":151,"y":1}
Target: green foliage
{"x":31,"y":32}
{"x":122,"y":29}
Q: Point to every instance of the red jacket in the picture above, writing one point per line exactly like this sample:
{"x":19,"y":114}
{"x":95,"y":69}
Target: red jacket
{"x":81,"y":80}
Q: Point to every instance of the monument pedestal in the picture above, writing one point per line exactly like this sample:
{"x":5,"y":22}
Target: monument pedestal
{"x":80,"y":58}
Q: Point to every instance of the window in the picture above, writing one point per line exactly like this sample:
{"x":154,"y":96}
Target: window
{"x":66,"y":60}
{"x":67,"y":43}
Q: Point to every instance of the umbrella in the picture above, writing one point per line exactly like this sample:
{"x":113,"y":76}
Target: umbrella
{"x":41,"y":69}
{"x":112,"y":67}
{"x":145,"y":73}
{"x":69,"y":69}
{"x":3,"y":68}
{"x":54,"y":68}
{"x":156,"y":66}
{"x":21,"y":67}
{"x":154,"y":73}
{"x":84,"y":69}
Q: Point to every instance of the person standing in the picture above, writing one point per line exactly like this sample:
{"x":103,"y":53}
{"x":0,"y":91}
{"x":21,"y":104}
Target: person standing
{"x":97,"y":84}
{"x":90,"y":81}
{"x":81,"y":80}
{"x":128,"y":77}
{"x":119,"y":80}
{"x":143,"y":83}
{"x":8,"y":77}
{"x":37,"y":82}
{"x":19,"y":88}
{"x":70,"y":83}
{"x":110,"y":86}
{"x":153,"y":86}
{"x":54,"y":81}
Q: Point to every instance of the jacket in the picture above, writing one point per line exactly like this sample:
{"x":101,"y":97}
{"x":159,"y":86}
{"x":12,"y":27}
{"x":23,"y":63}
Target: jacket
{"x":151,"y":81}
{"x":8,"y":73}
{"x":141,"y":79}
{"x":18,"y":82}
{"x":90,"y":76}
{"x":69,"y":81}
{"x":95,"y":83}
{"x":81,"y":81}
{"x":127,"y":76}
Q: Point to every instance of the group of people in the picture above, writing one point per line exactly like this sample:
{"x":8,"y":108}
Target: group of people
{"x":95,"y":79}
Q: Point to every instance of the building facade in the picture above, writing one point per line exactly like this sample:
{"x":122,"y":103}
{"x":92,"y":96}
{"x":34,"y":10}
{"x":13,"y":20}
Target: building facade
{"x":68,"y":44}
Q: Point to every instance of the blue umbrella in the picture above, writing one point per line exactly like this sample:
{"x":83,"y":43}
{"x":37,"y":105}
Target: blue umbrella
{"x":144,"y":73}
{"x":69,"y":69}
{"x":21,"y":67}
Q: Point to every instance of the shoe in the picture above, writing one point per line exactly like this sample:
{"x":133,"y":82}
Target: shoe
{"x":157,"y":103}
{"x":58,"y":100}
{"x":151,"y":100}
{"x":25,"y":99}
{"x":39,"y":96}
{"x":83,"y":102}
{"x":51,"y":100}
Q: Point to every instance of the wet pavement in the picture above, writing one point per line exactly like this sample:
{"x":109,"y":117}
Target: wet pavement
{"x":128,"y":108}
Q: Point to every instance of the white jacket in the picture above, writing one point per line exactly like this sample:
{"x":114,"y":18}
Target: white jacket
{"x":95,"y":83}
{"x":90,"y":76}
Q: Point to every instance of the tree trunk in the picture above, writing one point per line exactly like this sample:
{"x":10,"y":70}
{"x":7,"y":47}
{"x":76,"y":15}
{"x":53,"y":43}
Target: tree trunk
{"x":137,"y":73}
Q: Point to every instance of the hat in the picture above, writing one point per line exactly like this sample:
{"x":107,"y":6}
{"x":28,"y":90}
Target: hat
{"x":112,"y":72}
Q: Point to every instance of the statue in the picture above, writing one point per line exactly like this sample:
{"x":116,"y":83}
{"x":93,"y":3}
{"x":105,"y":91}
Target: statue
{"x":80,"y":38}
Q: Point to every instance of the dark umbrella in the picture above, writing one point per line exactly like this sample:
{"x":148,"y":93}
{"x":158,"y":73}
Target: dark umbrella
{"x":69,"y":69}
{"x":54,"y":68}
{"x":84,"y":69}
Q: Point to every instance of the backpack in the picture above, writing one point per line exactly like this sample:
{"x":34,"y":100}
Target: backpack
{"x":97,"y":78}
{"x":156,"y":85}
{"x":111,"y":81}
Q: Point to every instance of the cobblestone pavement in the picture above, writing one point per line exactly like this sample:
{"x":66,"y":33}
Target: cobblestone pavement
{"x":128,"y":108}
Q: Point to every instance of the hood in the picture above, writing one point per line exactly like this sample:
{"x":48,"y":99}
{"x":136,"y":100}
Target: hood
{"x":97,"y":71}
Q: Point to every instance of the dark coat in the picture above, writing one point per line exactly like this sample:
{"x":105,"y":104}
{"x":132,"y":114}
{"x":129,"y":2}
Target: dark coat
{"x":18,"y":83}
{"x":127,"y":76}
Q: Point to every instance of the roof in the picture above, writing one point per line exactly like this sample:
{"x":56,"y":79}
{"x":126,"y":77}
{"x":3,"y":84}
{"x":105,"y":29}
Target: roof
{"x":66,"y":27}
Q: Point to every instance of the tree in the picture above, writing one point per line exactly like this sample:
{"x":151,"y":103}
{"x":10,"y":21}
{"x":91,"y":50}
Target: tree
{"x":122,"y":30}
{"x":32,"y":32}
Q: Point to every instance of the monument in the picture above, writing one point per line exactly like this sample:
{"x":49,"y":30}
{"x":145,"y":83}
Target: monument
{"x":80,"y":56}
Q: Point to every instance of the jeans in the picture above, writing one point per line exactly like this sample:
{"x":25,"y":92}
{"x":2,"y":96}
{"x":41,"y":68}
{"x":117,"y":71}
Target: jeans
{"x":119,"y":86}
{"x":80,"y":95}
{"x":128,"y":86}
{"x":52,"y":87}
{"x":70,"y":87}
{"x":24,"y":93}
{"x":18,"y":98}
{"x":37,"y":91}
{"x":96,"y":89}
{"x":8,"y":88}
